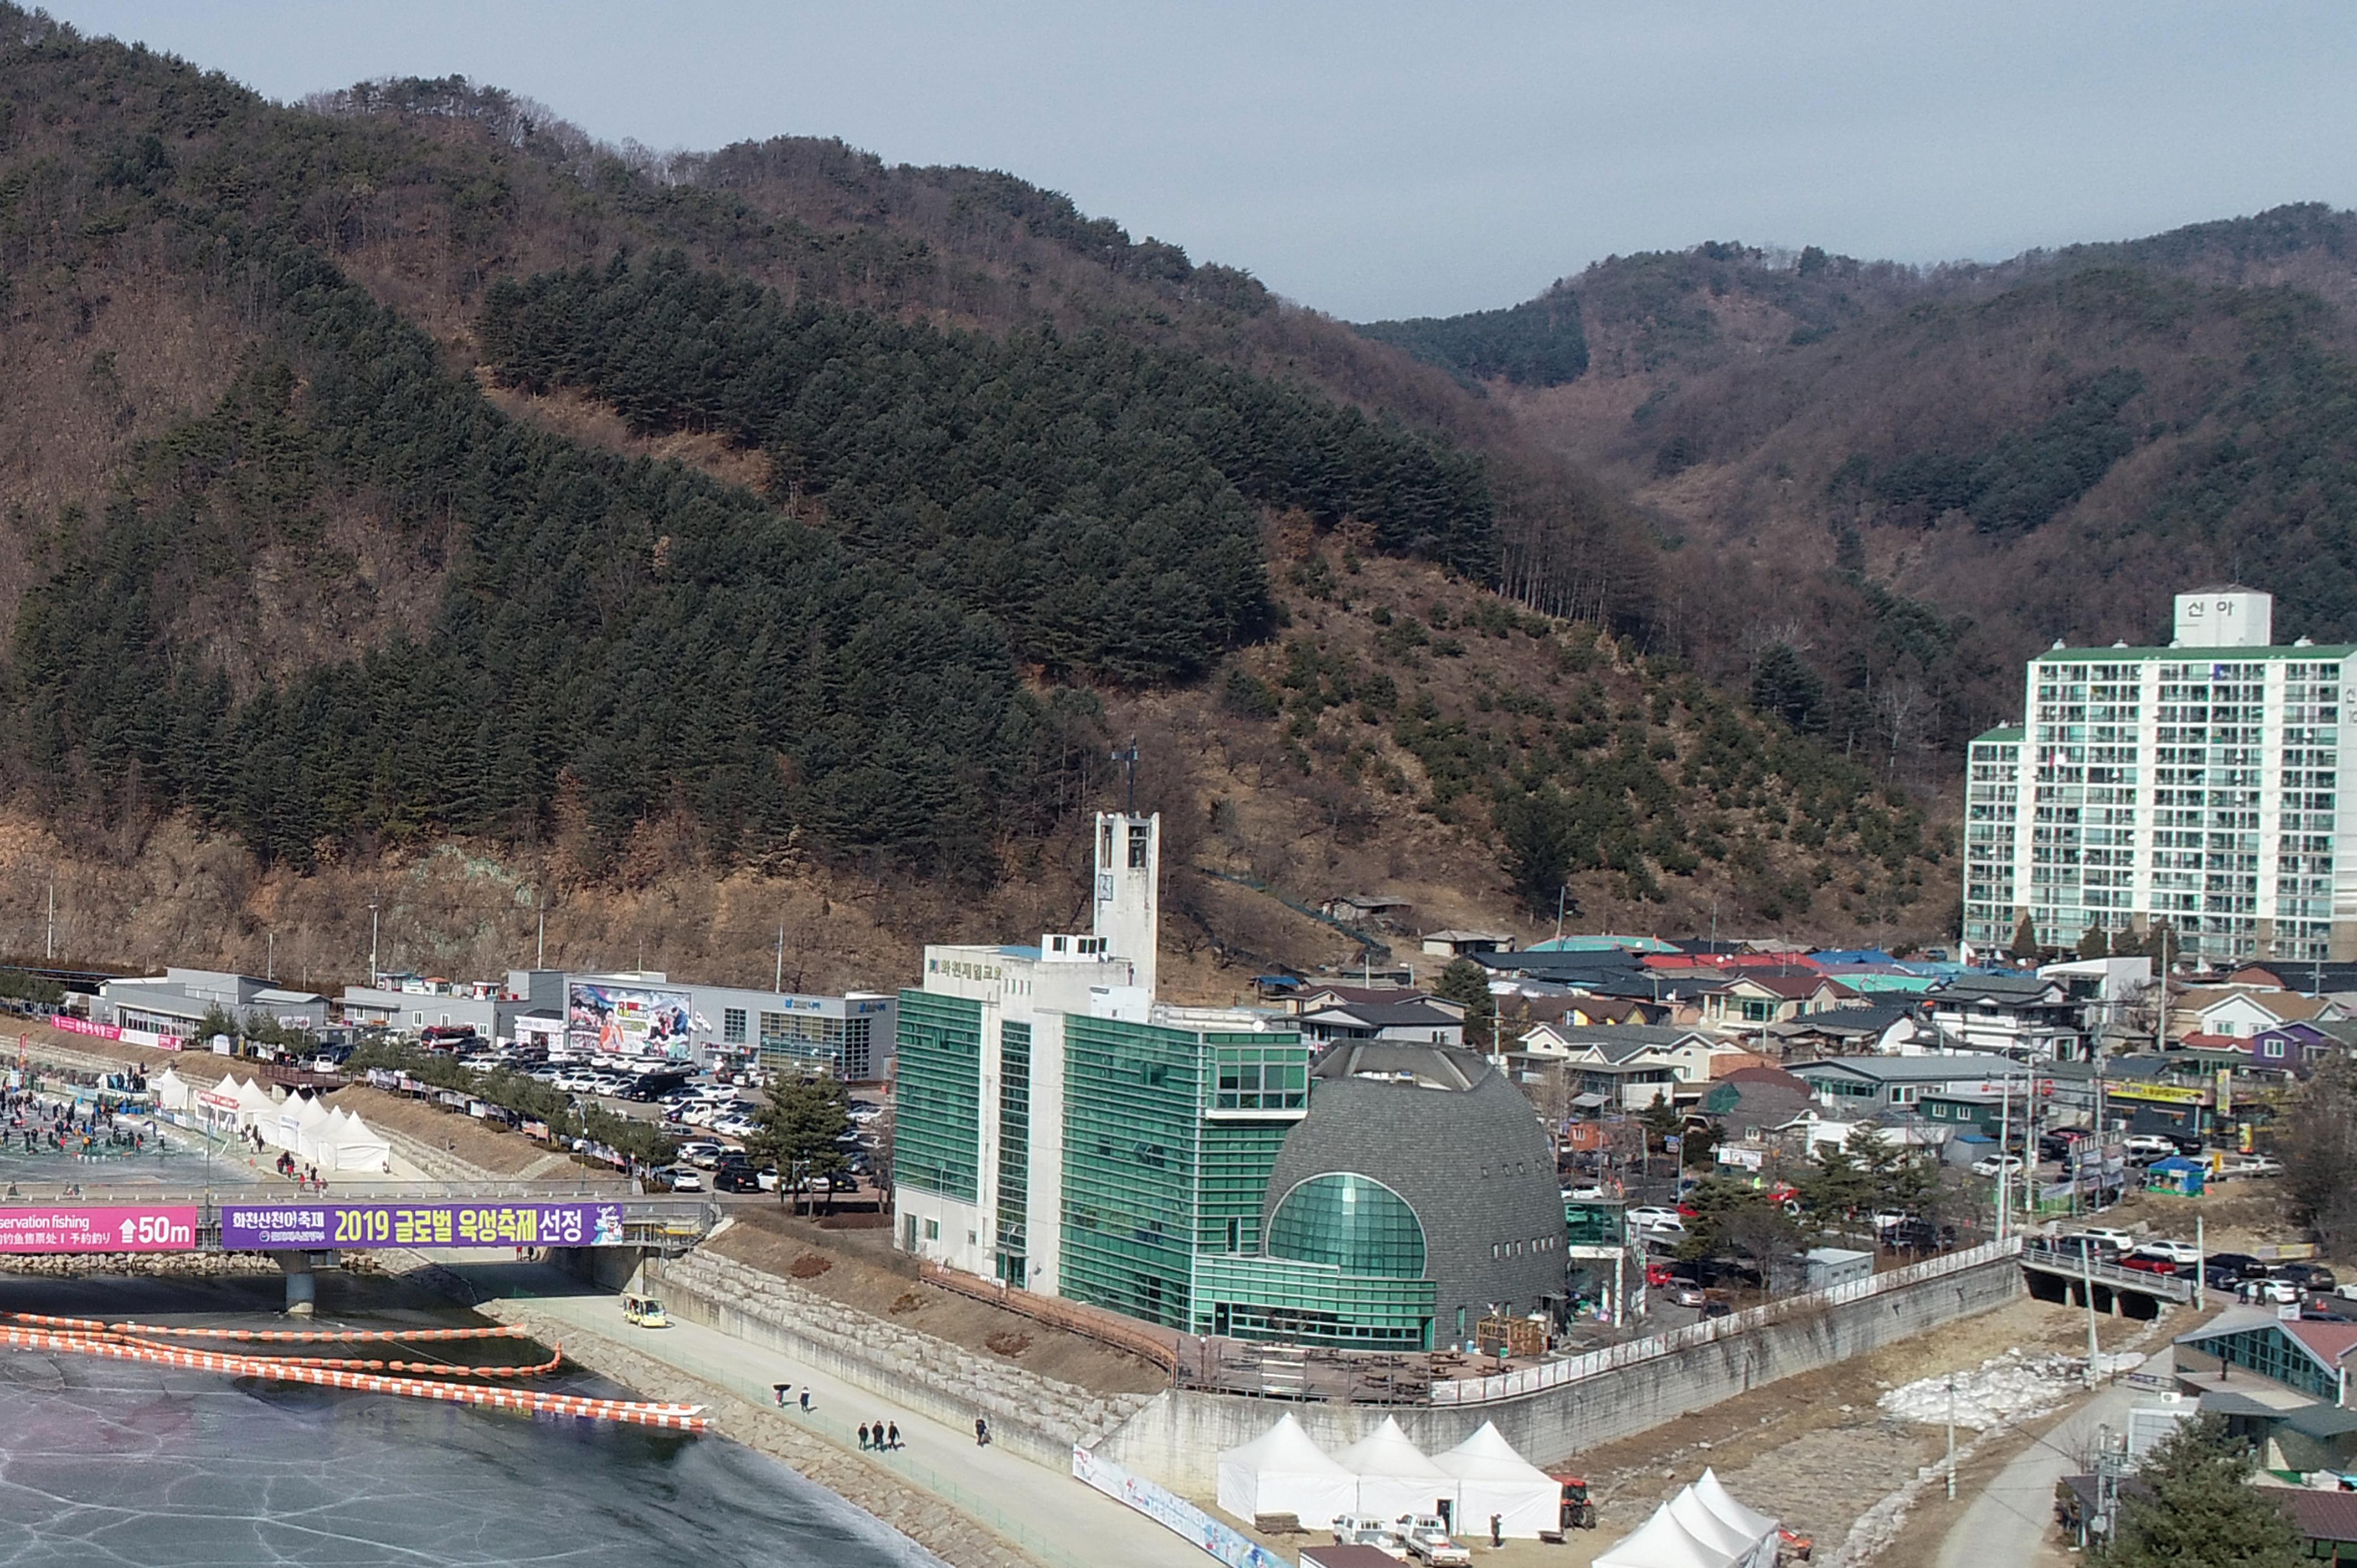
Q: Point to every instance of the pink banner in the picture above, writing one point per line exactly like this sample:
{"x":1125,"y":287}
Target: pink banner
{"x":94,"y":1228}
{"x":73,"y":1025}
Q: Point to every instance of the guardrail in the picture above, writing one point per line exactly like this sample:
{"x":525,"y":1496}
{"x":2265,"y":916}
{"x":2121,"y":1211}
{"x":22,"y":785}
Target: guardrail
{"x":2071,"y":1266}
{"x":1711,"y":1330}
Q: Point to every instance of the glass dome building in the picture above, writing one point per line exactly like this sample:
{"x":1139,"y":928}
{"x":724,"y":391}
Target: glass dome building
{"x":1417,"y":1196}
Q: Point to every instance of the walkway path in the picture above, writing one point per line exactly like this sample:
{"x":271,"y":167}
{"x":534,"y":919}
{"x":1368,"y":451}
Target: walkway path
{"x":1048,"y":1514}
{"x":2012,"y":1520}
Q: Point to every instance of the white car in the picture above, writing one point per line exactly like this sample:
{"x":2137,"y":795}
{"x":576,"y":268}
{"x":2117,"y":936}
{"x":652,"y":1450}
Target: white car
{"x":2147,"y":1147}
{"x":2257,"y":1166}
{"x":683,"y":1178}
{"x":2184,"y":1252}
{"x":1997,"y":1164}
{"x":2269,"y":1293}
{"x":1653,"y":1216}
{"x":1427,"y":1538}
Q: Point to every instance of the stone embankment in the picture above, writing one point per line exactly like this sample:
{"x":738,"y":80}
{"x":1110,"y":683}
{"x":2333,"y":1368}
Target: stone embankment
{"x":1040,"y":1417}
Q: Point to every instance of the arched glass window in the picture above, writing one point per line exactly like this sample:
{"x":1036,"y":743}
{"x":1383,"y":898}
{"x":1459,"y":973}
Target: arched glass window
{"x":1354,"y":1222}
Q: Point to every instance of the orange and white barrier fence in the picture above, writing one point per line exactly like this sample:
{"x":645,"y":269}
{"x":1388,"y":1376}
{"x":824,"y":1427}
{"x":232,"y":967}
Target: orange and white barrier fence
{"x":85,"y":1336}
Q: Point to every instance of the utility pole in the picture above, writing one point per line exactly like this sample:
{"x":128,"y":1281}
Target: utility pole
{"x":1951,"y":1465}
{"x":540,"y":943}
{"x":778,"y":982}
{"x":2004,"y":1148}
{"x":52,"y":946}
{"x":373,"y":916}
{"x":1561,"y":893}
{"x":270,"y":959}
{"x":2087,"y":1289}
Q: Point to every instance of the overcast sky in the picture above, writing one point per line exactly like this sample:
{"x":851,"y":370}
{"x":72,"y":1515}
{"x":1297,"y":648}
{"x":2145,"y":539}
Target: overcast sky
{"x":1396,"y":157}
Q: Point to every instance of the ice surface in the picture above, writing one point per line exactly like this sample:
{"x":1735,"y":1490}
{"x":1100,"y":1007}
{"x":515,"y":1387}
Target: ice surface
{"x":2004,"y":1387}
{"x":104,"y":1463}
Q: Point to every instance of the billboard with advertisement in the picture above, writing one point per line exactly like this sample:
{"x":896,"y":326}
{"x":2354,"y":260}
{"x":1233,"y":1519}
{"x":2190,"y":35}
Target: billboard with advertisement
{"x":628,"y":1020}
{"x":115,"y":1228}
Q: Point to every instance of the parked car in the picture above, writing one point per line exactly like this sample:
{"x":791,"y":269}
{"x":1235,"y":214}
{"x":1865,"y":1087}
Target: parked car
{"x":735,"y":1178}
{"x":2143,"y":1148}
{"x":1363,"y":1530}
{"x":2268,"y":1292}
{"x":1658,"y":1276}
{"x":2254,"y":1165}
{"x":1997,"y":1164}
{"x":2085,"y":1243}
{"x":1427,"y":1539}
{"x":1649,"y":1216}
{"x":2184,"y":1253}
{"x":1689,"y":1295}
{"x":2306,"y":1275}
{"x":2122,"y":1239}
{"x":2149,"y":1263}
{"x":683,"y":1178}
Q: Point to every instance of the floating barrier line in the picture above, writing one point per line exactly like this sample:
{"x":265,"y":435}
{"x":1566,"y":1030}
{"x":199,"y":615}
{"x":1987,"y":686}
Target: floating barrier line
{"x":672,"y":1417}
{"x":423,"y":1368}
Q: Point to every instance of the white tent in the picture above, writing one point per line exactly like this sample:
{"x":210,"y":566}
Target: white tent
{"x":1712,"y":1493}
{"x":172,"y":1091}
{"x":1492,"y":1478}
{"x":1710,"y":1530}
{"x":1284,"y":1471}
{"x":255,"y":1109}
{"x":351,"y":1146}
{"x":1395,"y":1477}
{"x":312,"y":1122}
{"x":1662,"y":1542}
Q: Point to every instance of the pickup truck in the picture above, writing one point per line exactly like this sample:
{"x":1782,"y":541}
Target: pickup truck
{"x":1429,"y":1542}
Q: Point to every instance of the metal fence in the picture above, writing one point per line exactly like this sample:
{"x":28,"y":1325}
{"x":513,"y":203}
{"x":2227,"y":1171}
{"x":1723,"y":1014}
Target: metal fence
{"x":1676,"y":1341}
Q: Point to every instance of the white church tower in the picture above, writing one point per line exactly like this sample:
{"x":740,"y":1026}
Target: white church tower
{"x":1128,"y":913}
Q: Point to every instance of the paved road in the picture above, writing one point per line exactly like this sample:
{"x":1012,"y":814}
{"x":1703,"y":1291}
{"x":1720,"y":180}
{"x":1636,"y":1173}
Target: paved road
{"x":2012,"y":1520}
{"x":1046,"y":1512}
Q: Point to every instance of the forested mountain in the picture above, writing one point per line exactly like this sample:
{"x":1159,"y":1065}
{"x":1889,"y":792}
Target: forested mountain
{"x":1889,"y":485}
{"x":306,"y":556}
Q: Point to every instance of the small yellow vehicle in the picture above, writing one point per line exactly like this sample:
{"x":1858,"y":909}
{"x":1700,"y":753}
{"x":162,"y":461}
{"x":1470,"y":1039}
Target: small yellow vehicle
{"x":645,"y":1311}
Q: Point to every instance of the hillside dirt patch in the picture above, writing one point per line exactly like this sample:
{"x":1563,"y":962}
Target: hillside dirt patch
{"x":1813,"y":1450}
{"x":864,"y":1273}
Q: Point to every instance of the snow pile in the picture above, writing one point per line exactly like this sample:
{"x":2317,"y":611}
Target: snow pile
{"x":2002,"y":1389}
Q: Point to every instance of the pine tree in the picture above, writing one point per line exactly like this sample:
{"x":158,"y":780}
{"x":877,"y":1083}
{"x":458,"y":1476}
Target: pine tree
{"x":1468,"y":983}
{"x":2201,"y":1510}
{"x":2093,"y":943}
{"x":2025,"y":940}
{"x":799,"y":1129}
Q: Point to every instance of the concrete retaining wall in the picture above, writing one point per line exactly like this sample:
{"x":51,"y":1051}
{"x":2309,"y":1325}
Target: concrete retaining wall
{"x":1040,"y":1418}
{"x":1177,"y":1437}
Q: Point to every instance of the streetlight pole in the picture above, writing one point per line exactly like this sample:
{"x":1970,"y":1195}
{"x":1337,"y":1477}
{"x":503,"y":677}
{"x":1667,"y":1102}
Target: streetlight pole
{"x":373,"y":915}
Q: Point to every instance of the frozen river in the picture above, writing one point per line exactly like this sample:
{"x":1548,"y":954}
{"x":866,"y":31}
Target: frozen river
{"x":111,"y":1463}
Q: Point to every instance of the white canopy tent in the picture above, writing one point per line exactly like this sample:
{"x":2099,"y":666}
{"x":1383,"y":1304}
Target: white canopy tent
{"x":1713,"y":1495}
{"x":255,"y":1109}
{"x":1284,"y":1471}
{"x":1394,"y":1476}
{"x":1662,"y":1542}
{"x":1492,"y":1478}
{"x":353,"y":1147}
{"x":1702,"y":1527}
{"x":172,"y":1091}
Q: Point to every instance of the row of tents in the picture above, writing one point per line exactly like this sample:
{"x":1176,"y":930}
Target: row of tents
{"x":1386,"y":1476}
{"x":334,"y":1141}
{"x":1705,"y":1526}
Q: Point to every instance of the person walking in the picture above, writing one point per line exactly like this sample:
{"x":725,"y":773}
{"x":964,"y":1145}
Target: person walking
{"x":981,"y":1432}
{"x":779,"y":1390}
{"x":806,"y":1401}
{"x":863,"y":1436}
{"x":895,"y":1441}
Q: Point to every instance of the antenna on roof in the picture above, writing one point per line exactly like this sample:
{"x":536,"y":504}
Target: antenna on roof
{"x":1127,"y":756}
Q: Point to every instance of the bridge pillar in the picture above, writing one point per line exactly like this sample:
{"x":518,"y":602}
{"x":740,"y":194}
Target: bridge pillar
{"x":302,"y":1284}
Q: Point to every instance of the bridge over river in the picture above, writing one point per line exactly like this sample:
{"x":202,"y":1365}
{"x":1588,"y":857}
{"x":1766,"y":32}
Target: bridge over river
{"x":307,"y":1229}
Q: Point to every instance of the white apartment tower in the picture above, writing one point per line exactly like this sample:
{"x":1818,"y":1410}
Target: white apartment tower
{"x":2196,"y":784}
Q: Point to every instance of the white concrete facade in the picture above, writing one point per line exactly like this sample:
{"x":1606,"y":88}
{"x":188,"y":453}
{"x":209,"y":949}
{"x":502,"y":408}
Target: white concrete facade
{"x":2197,"y":784}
